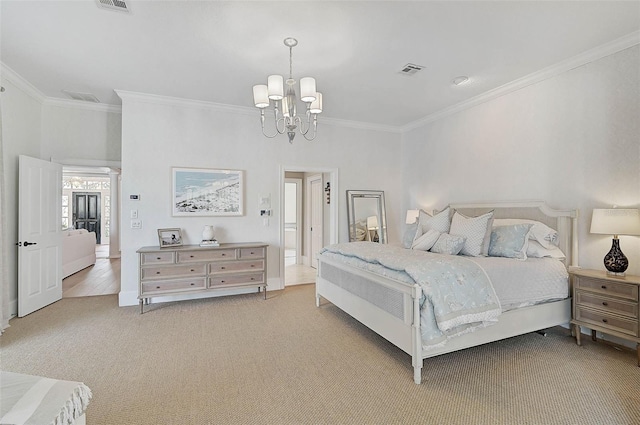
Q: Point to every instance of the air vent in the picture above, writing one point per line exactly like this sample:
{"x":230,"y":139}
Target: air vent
{"x":85,"y":97}
{"x":411,"y":69}
{"x":118,"y":5}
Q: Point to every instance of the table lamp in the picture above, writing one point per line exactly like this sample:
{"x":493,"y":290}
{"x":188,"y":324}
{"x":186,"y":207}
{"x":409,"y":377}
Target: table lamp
{"x":616,"y":221}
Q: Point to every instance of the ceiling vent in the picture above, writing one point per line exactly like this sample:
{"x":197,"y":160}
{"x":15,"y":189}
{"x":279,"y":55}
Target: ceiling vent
{"x":411,"y":69}
{"x":85,"y":97}
{"x":118,"y":5}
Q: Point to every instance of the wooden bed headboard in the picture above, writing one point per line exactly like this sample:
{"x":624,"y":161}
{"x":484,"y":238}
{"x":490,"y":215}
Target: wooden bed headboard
{"x":564,"y":221}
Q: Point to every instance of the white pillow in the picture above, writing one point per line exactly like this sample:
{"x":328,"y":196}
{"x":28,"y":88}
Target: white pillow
{"x":426,"y":241}
{"x":540,"y":232}
{"x":448,"y":244}
{"x":536,"y":250}
{"x":439,"y":222}
{"x":475,"y":230}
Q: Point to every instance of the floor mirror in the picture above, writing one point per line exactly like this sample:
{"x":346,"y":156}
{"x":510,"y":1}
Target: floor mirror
{"x":367,"y":216}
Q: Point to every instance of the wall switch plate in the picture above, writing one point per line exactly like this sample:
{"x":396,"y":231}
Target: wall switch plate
{"x":134,"y":197}
{"x":136,"y":224}
{"x":134,"y":213}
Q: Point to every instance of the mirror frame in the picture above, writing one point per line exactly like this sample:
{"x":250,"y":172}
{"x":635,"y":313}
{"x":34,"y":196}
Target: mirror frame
{"x":352,"y":195}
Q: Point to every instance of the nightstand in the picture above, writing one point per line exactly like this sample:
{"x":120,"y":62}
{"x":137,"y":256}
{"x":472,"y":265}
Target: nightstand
{"x":608,"y":304}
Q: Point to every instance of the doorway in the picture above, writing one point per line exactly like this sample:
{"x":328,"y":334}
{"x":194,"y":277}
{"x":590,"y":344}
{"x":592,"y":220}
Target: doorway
{"x":308,"y":222}
{"x":86,"y":212}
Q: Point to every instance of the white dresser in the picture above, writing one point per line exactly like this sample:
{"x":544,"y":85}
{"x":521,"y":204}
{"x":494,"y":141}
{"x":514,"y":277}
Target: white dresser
{"x":192,"y":268}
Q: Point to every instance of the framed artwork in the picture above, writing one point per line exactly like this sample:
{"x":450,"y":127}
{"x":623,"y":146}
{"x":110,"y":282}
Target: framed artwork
{"x":169,"y":238}
{"x":206,"y":192}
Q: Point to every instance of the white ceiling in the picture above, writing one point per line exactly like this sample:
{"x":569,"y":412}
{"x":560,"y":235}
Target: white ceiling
{"x":216,"y":51}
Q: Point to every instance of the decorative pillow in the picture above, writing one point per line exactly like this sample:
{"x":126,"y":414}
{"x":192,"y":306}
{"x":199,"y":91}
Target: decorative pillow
{"x":448,"y":244}
{"x":510,"y":241}
{"x":536,"y":250}
{"x":439,"y":222}
{"x":409,"y":234}
{"x":475,"y":230}
{"x":426,"y":241}
{"x":540,"y":232}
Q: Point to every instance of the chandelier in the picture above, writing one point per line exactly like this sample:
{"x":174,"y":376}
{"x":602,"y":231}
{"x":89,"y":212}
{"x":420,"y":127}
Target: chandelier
{"x":284,"y":102}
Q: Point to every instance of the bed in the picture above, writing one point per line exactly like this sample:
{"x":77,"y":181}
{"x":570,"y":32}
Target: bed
{"x":392,"y":305}
{"x":28,"y":399}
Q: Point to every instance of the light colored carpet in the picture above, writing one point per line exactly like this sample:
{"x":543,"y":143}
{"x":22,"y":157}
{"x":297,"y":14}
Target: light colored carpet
{"x":245,"y":360}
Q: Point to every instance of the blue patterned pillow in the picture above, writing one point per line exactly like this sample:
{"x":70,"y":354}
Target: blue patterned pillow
{"x":448,"y":244}
{"x":409,"y":235}
{"x":510,"y":241}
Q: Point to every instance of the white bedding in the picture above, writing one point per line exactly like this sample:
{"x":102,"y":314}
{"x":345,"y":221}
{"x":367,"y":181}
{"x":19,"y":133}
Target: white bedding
{"x":523,"y":283}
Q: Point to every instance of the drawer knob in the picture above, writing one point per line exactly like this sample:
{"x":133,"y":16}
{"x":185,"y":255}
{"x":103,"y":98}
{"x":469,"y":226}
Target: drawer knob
{"x":191,"y":270}
{"x":604,"y":286}
{"x":252,"y":265}
{"x":158,"y":258}
{"x":251,"y":253}
{"x":192,"y":284}
{"x":604,"y":320}
{"x":252,"y":278}
{"x":191,"y":256}
{"x":157,"y":287}
{"x":157,"y":272}
{"x":222,"y":281}
{"x":221,"y":268}
{"x":605,"y":303}
{"x":223,"y":254}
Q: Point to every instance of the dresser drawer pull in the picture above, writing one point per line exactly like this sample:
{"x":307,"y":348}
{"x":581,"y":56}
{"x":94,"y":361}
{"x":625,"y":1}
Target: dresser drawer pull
{"x":253,"y":278}
{"x":157,"y":272}
{"x":605,"y":303}
{"x":191,"y":270}
{"x":157,"y":287}
{"x":191,"y":256}
{"x":604,"y":286}
{"x":222,"y":268}
{"x":192,"y":284}
{"x":604,"y":320}
{"x":158,"y":258}
{"x":253,"y":265}
{"x":251,"y":253}
{"x":222,"y":281}
{"x":223,"y":254}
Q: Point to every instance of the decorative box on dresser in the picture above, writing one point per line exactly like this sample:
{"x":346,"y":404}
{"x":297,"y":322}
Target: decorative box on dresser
{"x":191,"y":269}
{"x":608,"y":304}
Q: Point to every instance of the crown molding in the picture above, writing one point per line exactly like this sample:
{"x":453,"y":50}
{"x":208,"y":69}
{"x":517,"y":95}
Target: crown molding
{"x":243,"y":110}
{"x":589,"y":56}
{"x":78,"y":104}
{"x":22,"y":84}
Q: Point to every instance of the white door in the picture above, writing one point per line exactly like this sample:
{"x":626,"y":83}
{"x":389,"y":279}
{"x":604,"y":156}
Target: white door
{"x":317,"y":231}
{"x":39,"y":234}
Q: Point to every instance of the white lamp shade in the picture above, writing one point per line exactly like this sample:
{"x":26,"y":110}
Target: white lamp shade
{"x":307,"y":89}
{"x":260,"y":96}
{"x":616,"y":221}
{"x":372,"y":222}
{"x":412,"y":216}
{"x":276,"y":87}
{"x":316,"y":105}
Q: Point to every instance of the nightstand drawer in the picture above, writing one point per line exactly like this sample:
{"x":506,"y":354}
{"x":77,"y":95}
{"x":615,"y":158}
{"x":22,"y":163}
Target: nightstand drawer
{"x":163,"y":287}
{"x":609,"y":321}
{"x":601,"y":286}
{"x":160,"y":272}
{"x":611,"y":305}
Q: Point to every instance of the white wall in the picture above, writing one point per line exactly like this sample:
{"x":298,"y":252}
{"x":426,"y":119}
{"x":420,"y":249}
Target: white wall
{"x":572,"y":140}
{"x":160,"y":133}
{"x":70,"y":132}
{"x":21,"y":125}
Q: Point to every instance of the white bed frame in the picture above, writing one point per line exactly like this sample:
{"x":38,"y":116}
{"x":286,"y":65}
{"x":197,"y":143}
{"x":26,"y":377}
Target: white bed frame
{"x":391,"y":308}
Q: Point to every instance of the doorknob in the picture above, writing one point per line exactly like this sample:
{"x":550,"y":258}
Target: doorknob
{"x":29,"y":243}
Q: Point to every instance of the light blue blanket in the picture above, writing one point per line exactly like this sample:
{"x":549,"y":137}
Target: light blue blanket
{"x":459,"y":297}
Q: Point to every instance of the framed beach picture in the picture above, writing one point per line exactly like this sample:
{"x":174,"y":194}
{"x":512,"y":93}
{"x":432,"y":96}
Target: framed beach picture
{"x":207,"y":192}
{"x":169,"y":237}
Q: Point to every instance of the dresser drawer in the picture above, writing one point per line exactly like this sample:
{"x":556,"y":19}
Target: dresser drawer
{"x":236,"y":266}
{"x":156,"y":258}
{"x":252,"y":253}
{"x":617,"y":289}
{"x":164,"y":286}
{"x":163,"y":272}
{"x":249,"y":278}
{"x":611,"y":305}
{"x":212,"y":255}
{"x":605,"y":320}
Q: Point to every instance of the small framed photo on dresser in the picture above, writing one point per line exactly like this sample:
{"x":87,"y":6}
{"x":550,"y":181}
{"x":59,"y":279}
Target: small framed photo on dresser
{"x":169,"y":238}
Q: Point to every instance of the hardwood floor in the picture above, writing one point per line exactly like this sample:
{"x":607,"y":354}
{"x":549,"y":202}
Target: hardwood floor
{"x":103,"y":278}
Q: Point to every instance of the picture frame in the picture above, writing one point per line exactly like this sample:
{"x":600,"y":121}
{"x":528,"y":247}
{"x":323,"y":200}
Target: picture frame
{"x":169,"y":238}
{"x":207,"y":192}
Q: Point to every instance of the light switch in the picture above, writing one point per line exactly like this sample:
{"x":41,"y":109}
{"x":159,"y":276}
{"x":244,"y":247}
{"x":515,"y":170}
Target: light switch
{"x":134,"y":213}
{"x":136,"y":224}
